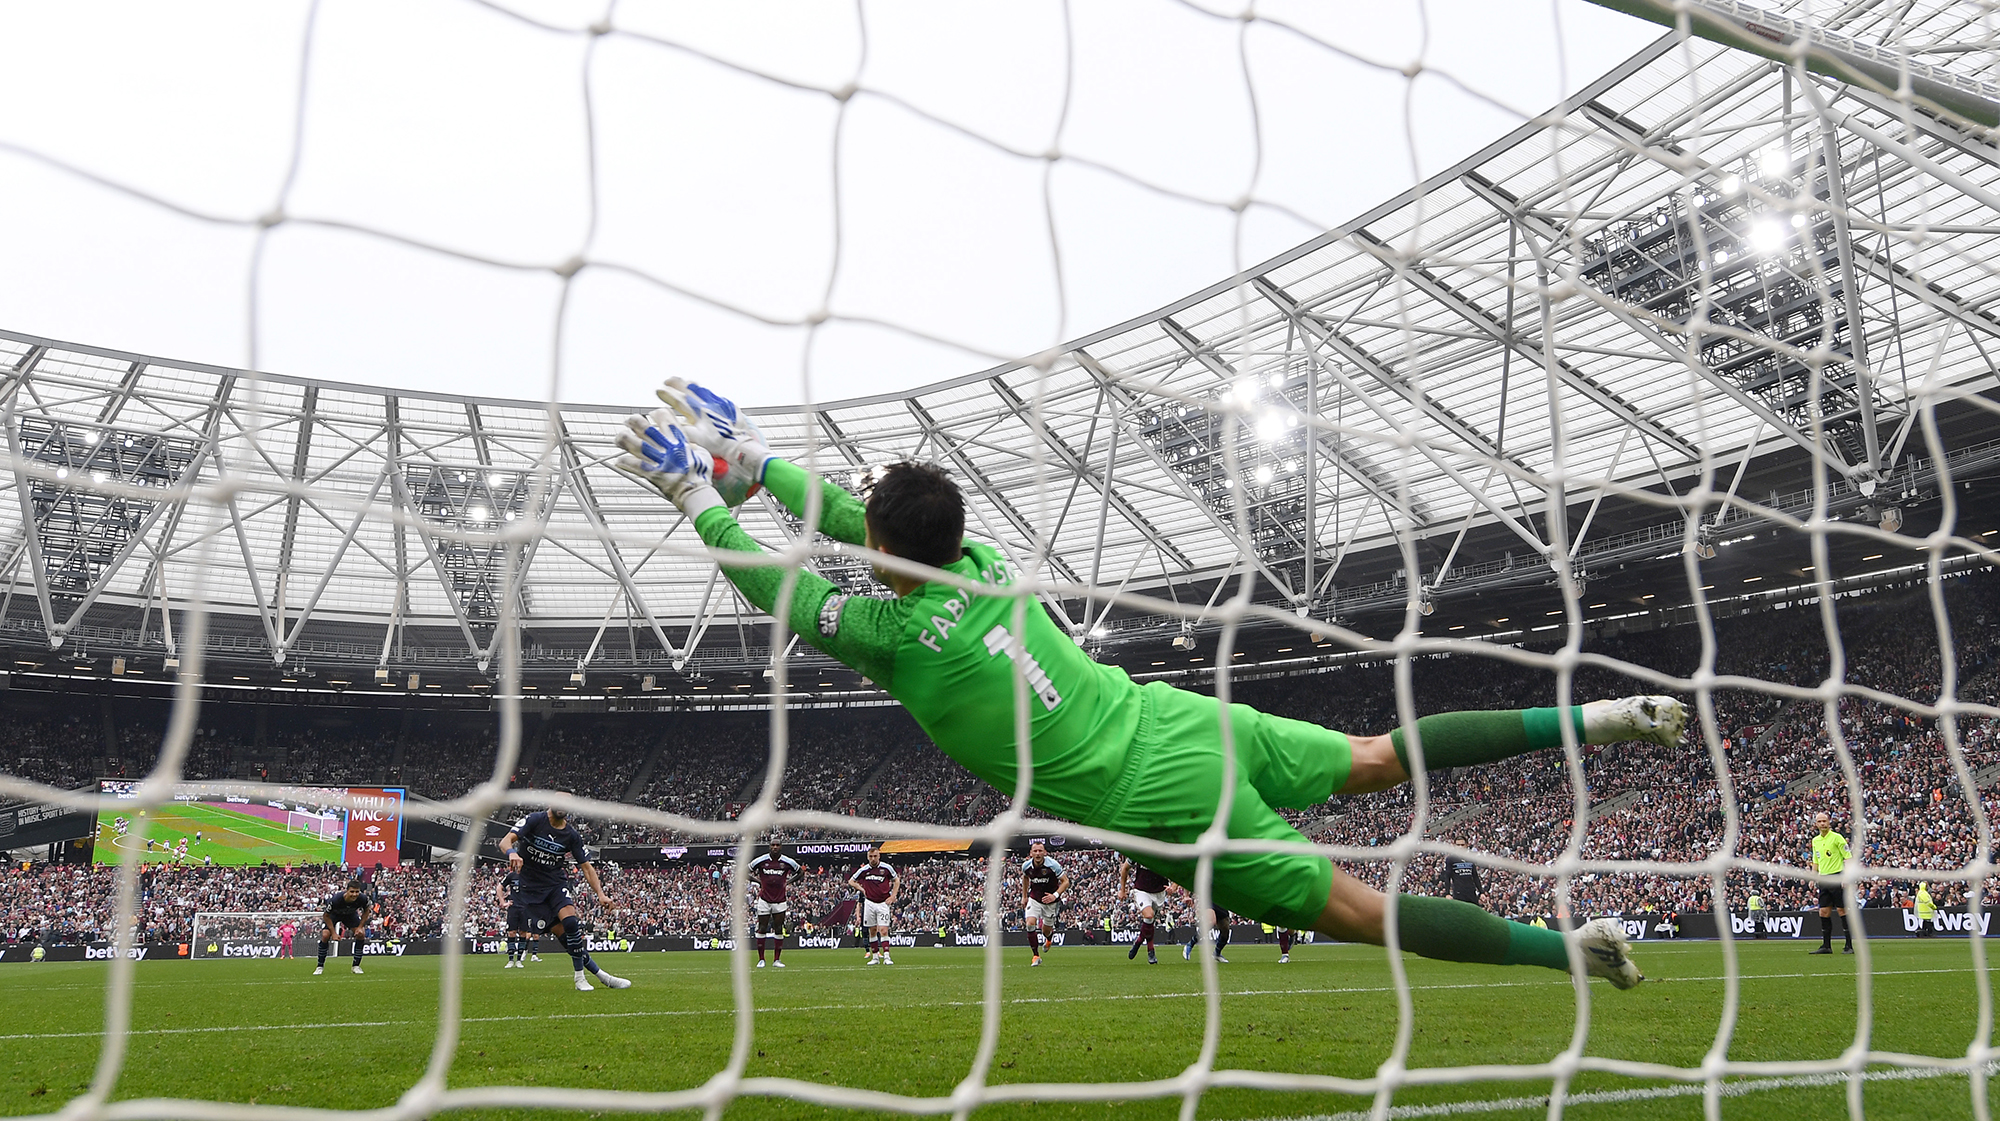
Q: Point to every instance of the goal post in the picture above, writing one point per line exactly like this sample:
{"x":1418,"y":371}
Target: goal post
{"x":249,"y":934}
{"x":324,"y":827}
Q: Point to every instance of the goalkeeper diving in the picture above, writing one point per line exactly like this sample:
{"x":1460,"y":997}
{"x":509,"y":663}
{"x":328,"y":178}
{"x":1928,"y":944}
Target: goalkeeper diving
{"x":1107,"y":752}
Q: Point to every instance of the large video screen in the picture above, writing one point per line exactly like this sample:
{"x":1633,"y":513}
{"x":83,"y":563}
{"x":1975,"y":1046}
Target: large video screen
{"x":220,"y":823}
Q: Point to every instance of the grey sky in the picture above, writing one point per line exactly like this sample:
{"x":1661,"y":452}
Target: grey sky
{"x":449,"y":123}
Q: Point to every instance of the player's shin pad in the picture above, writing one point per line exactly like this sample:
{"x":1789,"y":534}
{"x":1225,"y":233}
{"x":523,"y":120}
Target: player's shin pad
{"x":1448,"y":930}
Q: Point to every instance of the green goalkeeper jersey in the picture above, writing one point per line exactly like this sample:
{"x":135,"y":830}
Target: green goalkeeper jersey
{"x":952,"y":657}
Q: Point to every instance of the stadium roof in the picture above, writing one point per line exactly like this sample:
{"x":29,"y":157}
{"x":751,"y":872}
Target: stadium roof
{"x":1523,"y":327}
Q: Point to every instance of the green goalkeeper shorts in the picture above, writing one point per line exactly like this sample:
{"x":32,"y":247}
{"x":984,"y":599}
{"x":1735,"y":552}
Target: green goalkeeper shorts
{"x":1172,"y":785}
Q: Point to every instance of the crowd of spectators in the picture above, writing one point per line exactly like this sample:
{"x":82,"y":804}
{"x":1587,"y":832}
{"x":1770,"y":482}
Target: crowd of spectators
{"x":1645,"y":802}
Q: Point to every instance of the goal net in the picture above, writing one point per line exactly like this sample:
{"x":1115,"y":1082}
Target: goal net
{"x":323,"y":826}
{"x":252,"y":934}
{"x":1676,"y":377}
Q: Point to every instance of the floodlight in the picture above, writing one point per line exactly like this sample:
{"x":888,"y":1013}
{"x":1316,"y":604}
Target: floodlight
{"x":1892,"y":519}
{"x":1767,"y":236}
{"x":1183,"y":641}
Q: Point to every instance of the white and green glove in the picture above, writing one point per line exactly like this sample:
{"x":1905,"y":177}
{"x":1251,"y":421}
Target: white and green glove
{"x":658,"y":453}
{"x":717,"y":424}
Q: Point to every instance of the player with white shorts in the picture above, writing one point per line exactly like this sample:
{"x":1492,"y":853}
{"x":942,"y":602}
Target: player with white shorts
{"x":878,"y":884}
{"x":772,"y":872}
{"x":1043,"y":882}
{"x":1146,"y":891}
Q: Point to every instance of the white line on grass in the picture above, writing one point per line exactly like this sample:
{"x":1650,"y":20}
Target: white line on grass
{"x":1650,"y":1093}
{"x":779,"y":1008}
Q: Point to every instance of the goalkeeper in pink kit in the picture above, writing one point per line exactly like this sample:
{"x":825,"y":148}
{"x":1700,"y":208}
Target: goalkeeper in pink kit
{"x":1107,"y":752}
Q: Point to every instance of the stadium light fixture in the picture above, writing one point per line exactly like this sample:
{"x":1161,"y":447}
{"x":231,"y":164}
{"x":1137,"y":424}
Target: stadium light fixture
{"x":649,"y":683}
{"x":381,"y":673}
{"x":170,"y":663}
{"x":416,"y":681}
{"x":1892,"y":519}
{"x":1183,"y":641}
{"x":576,"y":675}
{"x":1768,"y":236}
{"x":118,"y":666}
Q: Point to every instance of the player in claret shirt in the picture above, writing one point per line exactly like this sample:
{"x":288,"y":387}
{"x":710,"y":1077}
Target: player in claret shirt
{"x":772,"y":871}
{"x":1107,"y":752}
{"x":539,"y":847}
{"x":1042,"y":884}
{"x":1146,"y":891}
{"x":878,"y":884}
{"x":348,"y":908}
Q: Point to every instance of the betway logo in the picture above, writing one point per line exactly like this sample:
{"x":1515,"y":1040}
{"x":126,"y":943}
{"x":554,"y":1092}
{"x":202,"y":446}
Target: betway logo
{"x":392,"y":949}
{"x":1118,"y":936}
{"x":968,"y":939}
{"x":606,"y":945}
{"x":1948,"y":920}
{"x":1784,"y":926}
{"x":819,"y":942}
{"x":247,"y":950}
{"x":106,"y":953}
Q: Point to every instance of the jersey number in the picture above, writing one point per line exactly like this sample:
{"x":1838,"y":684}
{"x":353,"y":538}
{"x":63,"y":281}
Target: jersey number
{"x":999,"y":641}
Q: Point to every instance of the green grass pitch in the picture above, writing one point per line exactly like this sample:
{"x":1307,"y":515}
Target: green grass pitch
{"x":268,"y":1032}
{"x":226,"y":835}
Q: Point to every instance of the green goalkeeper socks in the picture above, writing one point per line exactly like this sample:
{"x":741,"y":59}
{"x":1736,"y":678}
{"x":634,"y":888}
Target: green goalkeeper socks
{"x":1462,"y":739}
{"x":1448,"y":930}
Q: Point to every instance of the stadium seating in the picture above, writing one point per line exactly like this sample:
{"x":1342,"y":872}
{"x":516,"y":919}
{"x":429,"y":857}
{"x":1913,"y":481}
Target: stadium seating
{"x":1647,"y":801}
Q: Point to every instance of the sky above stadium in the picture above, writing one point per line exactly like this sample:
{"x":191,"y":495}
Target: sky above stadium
{"x":734,"y":196}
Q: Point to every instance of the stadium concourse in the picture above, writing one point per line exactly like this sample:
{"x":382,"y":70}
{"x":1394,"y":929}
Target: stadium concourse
{"x":1648,"y":802}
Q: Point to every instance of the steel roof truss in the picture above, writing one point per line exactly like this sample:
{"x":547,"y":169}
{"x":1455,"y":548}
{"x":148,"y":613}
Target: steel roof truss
{"x":1550,"y":236}
{"x":1437,"y":289}
{"x":1102,"y":483}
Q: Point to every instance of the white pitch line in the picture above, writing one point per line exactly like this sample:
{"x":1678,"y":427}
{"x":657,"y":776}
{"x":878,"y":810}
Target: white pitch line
{"x":1650,"y":1093}
{"x":774,"y":1009}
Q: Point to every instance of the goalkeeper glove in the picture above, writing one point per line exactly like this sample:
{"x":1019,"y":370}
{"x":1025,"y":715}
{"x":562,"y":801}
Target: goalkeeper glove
{"x":658,"y":452}
{"x":717,"y":424}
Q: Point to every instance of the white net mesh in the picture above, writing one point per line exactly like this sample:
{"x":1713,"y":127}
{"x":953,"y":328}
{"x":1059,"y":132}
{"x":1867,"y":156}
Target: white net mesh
{"x":1733,"y":297}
